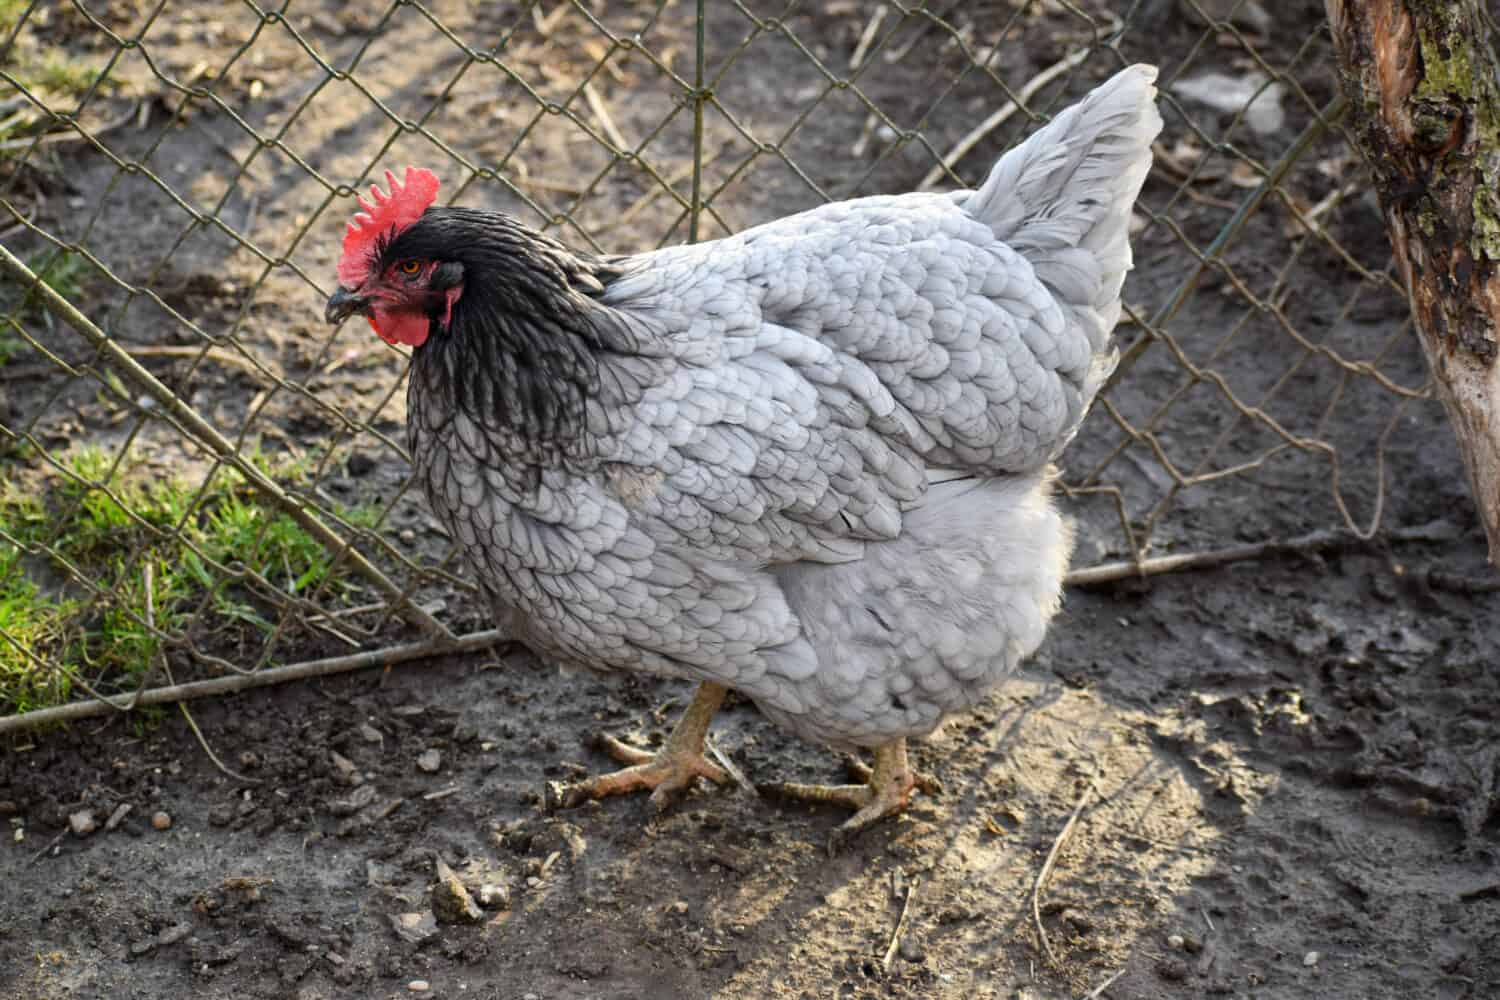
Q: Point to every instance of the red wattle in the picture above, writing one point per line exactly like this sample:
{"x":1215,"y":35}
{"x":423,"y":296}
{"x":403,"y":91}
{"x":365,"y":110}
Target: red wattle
{"x":407,"y":328}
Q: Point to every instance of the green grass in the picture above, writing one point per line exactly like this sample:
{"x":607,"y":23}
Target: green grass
{"x":29,"y":622}
{"x":53,"y":76}
{"x":10,"y":13}
{"x":109,"y":523}
{"x":9,"y":345}
{"x":63,"y":76}
{"x":62,"y":271}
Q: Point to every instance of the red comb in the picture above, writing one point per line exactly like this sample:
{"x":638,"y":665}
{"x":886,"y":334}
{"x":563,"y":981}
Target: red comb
{"x":395,"y":211}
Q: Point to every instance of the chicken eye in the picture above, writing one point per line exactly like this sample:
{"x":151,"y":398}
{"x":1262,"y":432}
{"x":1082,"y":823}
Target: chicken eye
{"x":410,"y":268}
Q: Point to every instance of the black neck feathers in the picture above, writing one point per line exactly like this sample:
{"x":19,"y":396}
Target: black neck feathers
{"x":522,"y":352}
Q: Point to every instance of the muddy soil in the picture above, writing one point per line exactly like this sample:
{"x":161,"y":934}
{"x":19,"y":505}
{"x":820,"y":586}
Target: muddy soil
{"x":1273,"y":779}
{"x":1283,"y":776}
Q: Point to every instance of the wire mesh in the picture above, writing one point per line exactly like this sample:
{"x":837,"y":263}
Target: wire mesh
{"x":201,"y":477}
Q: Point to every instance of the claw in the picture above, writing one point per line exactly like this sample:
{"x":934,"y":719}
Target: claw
{"x":885,"y":791}
{"x":669,"y":773}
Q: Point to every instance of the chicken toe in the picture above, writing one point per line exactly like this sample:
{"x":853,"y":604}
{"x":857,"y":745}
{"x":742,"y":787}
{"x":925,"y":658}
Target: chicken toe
{"x":669,"y":773}
{"x":885,"y":790}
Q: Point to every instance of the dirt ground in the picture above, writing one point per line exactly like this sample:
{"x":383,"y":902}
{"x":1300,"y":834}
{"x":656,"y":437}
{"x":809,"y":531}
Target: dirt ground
{"x":1273,"y":779}
{"x":1286,"y":774}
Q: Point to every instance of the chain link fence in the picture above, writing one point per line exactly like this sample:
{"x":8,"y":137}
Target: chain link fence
{"x":204,"y":484}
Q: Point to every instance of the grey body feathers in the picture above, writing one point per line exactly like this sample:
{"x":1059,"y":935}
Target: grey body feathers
{"x":820,"y":473}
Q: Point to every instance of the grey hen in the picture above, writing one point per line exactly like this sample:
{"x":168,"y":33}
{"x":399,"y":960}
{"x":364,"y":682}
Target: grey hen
{"x":809,"y":462}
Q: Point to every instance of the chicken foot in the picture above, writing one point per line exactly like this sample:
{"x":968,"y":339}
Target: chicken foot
{"x":668,"y":773}
{"x":885,"y":790}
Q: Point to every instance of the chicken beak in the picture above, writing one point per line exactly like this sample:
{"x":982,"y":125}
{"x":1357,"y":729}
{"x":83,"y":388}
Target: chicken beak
{"x":342,"y":304}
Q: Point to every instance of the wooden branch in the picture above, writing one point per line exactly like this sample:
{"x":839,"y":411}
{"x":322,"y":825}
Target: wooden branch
{"x":232,"y":683}
{"x":1425,"y":90}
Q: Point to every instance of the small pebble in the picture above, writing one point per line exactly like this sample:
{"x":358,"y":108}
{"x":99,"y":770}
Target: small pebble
{"x":1172,"y":969}
{"x":343,"y":764}
{"x":419,"y":986}
{"x":20,"y":834}
{"x":370,"y":734}
{"x":451,"y":901}
{"x":353,"y":802}
{"x":174,"y":934}
{"x":493,"y":897}
{"x":1175,"y":941}
{"x":82,"y":823}
{"x":414,"y":927}
{"x":161,"y":821}
{"x":429,"y":761}
{"x":1311,"y":958}
{"x":680,"y":906}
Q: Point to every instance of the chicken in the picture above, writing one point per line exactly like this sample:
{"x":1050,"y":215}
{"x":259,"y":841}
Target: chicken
{"x":809,"y":462}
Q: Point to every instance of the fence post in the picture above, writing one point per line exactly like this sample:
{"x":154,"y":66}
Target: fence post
{"x":1426,"y":92}
{"x":696,"y":209}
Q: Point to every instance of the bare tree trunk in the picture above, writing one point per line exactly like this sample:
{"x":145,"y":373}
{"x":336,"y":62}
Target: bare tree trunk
{"x":1425,"y":91}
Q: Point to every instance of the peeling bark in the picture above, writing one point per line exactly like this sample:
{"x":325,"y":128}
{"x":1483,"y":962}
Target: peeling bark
{"x":1425,"y":91}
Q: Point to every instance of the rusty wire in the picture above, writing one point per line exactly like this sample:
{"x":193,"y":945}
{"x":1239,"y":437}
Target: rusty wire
{"x":235,"y":135}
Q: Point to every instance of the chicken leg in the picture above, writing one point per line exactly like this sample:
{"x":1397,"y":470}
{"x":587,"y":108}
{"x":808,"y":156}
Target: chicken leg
{"x":885,"y":791}
{"x":668,"y":773}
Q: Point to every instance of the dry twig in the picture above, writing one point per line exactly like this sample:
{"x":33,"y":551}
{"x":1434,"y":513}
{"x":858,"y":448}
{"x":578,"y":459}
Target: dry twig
{"x":262,"y":678}
{"x":744,"y":783}
{"x":1041,"y":877}
{"x":1314,"y":541}
{"x":606,"y":122}
{"x":666,"y":186}
{"x":890,"y":951}
{"x":217,"y":354}
{"x":544,"y":25}
{"x":50,"y":844}
{"x":147,"y":575}
{"x":867,"y":37}
{"x":203,"y":742}
{"x":1002,"y":115}
{"x":1098,"y":991}
{"x":80,"y":134}
{"x":186,"y":351}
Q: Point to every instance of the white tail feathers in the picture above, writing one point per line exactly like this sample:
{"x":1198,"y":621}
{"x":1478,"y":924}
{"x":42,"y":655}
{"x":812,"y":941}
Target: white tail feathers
{"x":1070,"y":188}
{"x":1062,"y":200}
